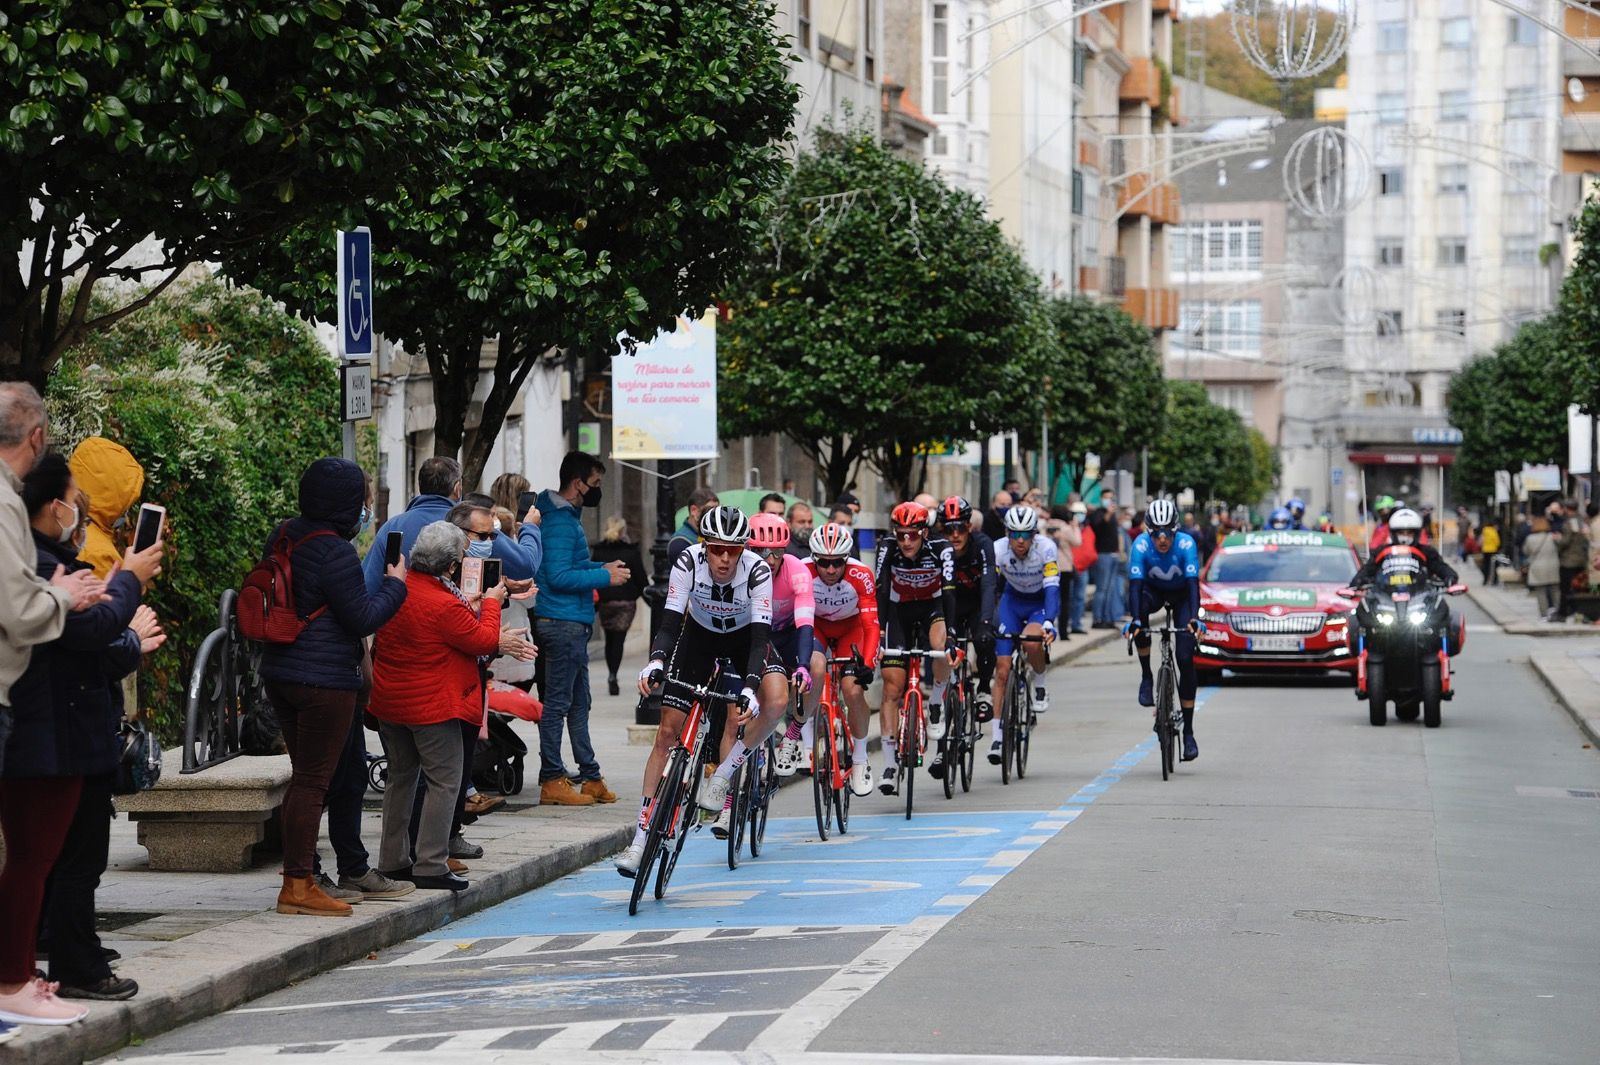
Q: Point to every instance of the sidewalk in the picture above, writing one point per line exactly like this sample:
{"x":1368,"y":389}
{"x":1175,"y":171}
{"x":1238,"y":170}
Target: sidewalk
{"x":1574,"y":677}
{"x":1514,"y":609}
{"x":202,"y":943}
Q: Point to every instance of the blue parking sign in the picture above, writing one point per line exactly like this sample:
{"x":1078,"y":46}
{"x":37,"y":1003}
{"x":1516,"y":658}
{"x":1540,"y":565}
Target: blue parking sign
{"x":355,"y":293}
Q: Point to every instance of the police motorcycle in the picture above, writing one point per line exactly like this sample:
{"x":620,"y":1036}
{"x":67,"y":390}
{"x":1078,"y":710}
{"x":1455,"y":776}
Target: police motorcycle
{"x":1406,"y":635}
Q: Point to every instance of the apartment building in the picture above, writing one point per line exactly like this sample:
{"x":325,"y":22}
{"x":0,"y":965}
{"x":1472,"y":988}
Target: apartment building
{"x":1580,"y":112}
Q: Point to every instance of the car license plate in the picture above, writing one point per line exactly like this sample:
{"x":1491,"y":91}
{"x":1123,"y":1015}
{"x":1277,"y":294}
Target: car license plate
{"x":1277,"y":643}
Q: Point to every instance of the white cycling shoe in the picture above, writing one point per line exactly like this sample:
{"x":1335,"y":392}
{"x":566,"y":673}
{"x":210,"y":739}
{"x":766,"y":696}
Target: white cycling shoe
{"x":1041,"y":699}
{"x":714,"y":792}
{"x":936,"y":722}
{"x":628,"y":861}
{"x":723,"y":825}
{"x":790,"y":757}
{"x":861,"y":779}
{"x":887,"y":784}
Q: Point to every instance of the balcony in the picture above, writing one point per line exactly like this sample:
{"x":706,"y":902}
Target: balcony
{"x":1088,"y":279}
{"x":1580,"y":133}
{"x":1155,"y":307}
{"x":1142,"y":83}
{"x":1173,"y":111}
{"x":1165,"y":7}
{"x":1089,"y":154}
{"x":1131,"y":199}
{"x":1164,"y":204}
{"x":1579,"y":62}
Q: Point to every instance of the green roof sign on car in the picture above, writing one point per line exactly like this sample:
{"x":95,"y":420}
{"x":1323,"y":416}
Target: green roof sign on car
{"x":1284,"y":538}
{"x":1277,"y":597}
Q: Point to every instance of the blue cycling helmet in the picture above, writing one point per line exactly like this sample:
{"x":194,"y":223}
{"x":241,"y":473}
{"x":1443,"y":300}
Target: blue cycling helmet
{"x":1297,"y":507}
{"x":1281,"y":519}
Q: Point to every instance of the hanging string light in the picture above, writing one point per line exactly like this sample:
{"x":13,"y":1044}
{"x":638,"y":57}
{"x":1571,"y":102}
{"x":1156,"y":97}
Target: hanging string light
{"x":1326,"y":173}
{"x":1289,"y":39}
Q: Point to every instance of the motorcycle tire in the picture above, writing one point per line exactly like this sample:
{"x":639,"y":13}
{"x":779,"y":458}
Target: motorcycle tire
{"x":1406,"y":711}
{"x":1431,"y":694}
{"x":1377,"y":696}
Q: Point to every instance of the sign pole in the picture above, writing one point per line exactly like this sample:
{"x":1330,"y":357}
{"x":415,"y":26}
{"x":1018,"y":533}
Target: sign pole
{"x":353,"y":296}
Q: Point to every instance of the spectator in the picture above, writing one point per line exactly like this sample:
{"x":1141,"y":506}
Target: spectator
{"x":1574,"y":553}
{"x":800,"y":527}
{"x":1083,"y":560}
{"x":994,"y":519}
{"x":848,"y":499}
{"x":926,"y":501}
{"x":565,"y":612}
{"x":427,"y":692}
{"x":1068,"y":537}
{"x":438,"y":489}
{"x":1489,"y":548}
{"x":1543,"y":553}
{"x":771,"y":503}
{"x":112,"y":478}
{"x":688,"y":534}
{"x":842,"y":515}
{"x":314,"y":682}
{"x":1594,"y":543}
{"x":69,"y":712}
{"x":1107,"y":576}
{"x":1034,"y":497}
{"x":618,"y":603}
{"x":506,"y":491}
{"x":519,"y":555}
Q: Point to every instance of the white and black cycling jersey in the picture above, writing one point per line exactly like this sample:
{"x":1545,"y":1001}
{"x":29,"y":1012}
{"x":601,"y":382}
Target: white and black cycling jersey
{"x":746,"y":599}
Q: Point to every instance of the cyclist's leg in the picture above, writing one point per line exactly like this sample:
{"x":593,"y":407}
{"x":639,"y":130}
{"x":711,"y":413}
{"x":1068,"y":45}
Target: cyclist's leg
{"x":937,"y":633}
{"x":772,"y":696}
{"x":894,"y":684}
{"x":1033,"y":649}
{"x":1141,"y":643}
{"x":1009,"y":619}
{"x":1186,"y":675}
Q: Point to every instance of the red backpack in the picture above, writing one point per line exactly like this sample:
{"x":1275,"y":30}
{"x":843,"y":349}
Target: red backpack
{"x":266,"y":602}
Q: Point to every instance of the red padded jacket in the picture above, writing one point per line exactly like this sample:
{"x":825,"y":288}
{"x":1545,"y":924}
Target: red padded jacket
{"x":425,"y":660}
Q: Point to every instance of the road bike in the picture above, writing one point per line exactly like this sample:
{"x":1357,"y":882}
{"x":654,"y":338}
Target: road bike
{"x":1017,"y":718}
{"x":911,"y":742}
{"x":958,"y":750}
{"x":1169,"y":712}
{"x":671,"y":814}
{"x":751,"y":792}
{"x":833,"y":750}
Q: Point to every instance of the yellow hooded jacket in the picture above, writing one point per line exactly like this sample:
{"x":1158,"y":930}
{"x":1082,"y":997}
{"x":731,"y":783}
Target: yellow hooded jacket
{"x":113,"y":479}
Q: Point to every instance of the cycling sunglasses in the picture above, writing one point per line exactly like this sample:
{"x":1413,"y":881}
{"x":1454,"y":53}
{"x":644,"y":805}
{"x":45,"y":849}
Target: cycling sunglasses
{"x":1019,"y":535}
{"x":830,"y":563}
{"x":725,"y":550}
{"x":910,"y":534}
{"x":957,"y":526}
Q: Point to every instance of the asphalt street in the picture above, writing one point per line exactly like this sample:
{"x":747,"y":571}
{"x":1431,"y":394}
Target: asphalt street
{"x":1312,"y":889}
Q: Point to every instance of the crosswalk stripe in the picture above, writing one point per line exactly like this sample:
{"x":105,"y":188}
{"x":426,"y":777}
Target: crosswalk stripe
{"x":685,"y":1033}
{"x":579,"y":1036}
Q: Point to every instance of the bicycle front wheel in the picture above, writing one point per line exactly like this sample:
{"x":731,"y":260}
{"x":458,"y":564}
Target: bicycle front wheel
{"x":822,"y":772}
{"x":662,"y":810}
{"x":1024,"y":718}
{"x":764,"y":781}
{"x":741,"y":804}
{"x":1164,"y":731}
{"x":907,"y":753}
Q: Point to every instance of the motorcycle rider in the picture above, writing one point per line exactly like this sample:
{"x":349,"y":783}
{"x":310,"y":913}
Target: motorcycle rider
{"x":1405,"y":537}
{"x":1297,"y":514}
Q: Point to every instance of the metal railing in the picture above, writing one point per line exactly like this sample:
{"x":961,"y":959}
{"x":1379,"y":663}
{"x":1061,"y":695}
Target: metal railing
{"x":225,"y":686}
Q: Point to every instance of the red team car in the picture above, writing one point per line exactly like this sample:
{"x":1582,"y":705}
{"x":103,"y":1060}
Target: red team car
{"x":1268,"y":600}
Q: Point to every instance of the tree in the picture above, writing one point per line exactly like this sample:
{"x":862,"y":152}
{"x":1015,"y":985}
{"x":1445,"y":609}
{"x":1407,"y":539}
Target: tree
{"x":207,"y":126}
{"x":1578,"y":353}
{"x":1511,"y":404}
{"x":1206,"y":447}
{"x":605,"y":181}
{"x":1227,"y":68}
{"x":883,"y":312}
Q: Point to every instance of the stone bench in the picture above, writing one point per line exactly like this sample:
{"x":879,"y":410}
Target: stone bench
{"x":210,"y":821}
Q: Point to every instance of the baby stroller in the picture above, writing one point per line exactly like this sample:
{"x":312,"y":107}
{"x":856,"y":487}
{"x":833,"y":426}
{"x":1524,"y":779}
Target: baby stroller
{"x":497,"y":764}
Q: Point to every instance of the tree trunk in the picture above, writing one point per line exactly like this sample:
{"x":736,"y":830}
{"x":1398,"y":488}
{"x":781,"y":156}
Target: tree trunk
{"x":837,"y":460}
{"x":510,"y":373}
{"x":894,"y":463}
{"x":455,"y":376}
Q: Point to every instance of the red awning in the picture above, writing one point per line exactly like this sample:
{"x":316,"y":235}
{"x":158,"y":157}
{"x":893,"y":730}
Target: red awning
{"x":1403,"y":458}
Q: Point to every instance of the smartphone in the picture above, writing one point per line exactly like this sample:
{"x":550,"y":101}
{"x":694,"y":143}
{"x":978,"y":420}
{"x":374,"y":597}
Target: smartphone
{"x":152,"y":519}
{"x":525,"y":503}
{"x":391,"y":548}
{"x":472,"y":576}
{"x":491,"y":573}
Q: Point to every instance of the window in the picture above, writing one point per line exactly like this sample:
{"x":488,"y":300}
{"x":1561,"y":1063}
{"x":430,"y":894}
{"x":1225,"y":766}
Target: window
{"x":1080,"y":65}
{"x":1232,"y":327}
{"x":1389,"y":323}
{"x":869,"y":48}
{"x":939,"y":61}
{"x":1391,"y":36}
{"x":1214,"y":247}
{"x":1455,"y":106}
{"x":1391,"y":253}
{"x":1452,"y":321}
{"x":1077,"y":192}
{"x":1238,"y":398}
{"x":1522,"y":101}
{"x":1455,"y":33}
{"x":1453,"y":177}
{"x":802,"y":10}
{"x":1452,"y":251}
{"x":1520,"y":29}
{"x":1391,"y":181}
{"x":1391,"y":107}
{"x":1522,"y":249}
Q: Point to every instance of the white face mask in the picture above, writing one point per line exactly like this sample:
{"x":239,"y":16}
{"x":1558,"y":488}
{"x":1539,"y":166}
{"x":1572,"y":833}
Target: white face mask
{"x":65,"y":536}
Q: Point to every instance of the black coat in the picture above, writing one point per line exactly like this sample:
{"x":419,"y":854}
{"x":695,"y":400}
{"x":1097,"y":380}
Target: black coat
{"x":623,"y":551}
{"x":327,"y":572}
{"x":67,"y":706}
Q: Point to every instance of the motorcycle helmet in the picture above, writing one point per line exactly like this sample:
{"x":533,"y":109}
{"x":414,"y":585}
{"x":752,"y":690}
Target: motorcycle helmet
{"x":1280,"y":519}
{"x":1405,"y":521}
{"x":1297,"y":507}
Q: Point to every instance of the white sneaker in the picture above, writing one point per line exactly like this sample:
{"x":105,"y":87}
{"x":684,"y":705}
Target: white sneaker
{"x":789,"y":755}
{"x":936,"y":724}
{"x":1041,"y":699}
{"x":984,"y":703}
{"x":723,"y":825}
{"x":714,"y":793}
{"x":995,"y":751}
{"x":887,"y":783}
{"x":628,"y":861}
{"x":861,"y":779}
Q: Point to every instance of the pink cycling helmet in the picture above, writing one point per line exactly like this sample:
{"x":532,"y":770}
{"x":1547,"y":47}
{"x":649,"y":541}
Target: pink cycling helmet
{"x":768,"y":532}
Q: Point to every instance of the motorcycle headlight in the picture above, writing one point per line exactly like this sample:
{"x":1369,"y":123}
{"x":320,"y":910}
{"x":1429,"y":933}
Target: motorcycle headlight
{"x":1386,"y":617}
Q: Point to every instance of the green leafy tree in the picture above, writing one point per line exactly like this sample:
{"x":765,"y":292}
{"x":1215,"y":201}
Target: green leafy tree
{"x":201,"y":386}
{"x":1206,"y":447}
{"x":1511,"y":405}
{"x":1579,"y":315}
{"x":883,"y":312}
{"x":207,"y":126}
{"x":607,"y":179}
{"x":1228,"y":69}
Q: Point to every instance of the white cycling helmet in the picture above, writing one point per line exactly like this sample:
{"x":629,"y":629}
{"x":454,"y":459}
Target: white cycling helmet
{"x":1405,"y":518}
{"x":1161,"y":516}
{"x":1022,"y":518}
{"x":726,"y":525}
{"x":832,"y":541}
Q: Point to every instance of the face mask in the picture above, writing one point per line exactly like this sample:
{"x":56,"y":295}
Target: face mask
{"x":65,"y":535}
{"x":480,"y":548}
{"x":591,"y":497}
{"x":366,"y":519}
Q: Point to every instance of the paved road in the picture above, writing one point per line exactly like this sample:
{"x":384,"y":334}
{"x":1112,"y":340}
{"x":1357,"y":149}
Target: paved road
{"x":1312,"y":890}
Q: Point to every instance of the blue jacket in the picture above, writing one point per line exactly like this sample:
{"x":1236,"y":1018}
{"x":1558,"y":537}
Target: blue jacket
{"x":67,"y":706}
{"x":519,"y":558}
{"x":327,"y":572}
{"x":568,"y":577}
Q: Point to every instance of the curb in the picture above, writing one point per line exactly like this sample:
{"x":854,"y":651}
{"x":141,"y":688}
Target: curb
{"x":1559,"y":673}
{"x":1517,"y":625}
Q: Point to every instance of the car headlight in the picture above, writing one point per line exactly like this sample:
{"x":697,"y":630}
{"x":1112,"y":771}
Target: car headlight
{"x":1336,"y":619}
{"x":1386,"y":617}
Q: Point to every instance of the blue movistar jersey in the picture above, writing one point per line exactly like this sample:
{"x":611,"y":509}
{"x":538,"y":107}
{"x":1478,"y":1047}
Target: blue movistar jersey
{"x":1179,"y":564}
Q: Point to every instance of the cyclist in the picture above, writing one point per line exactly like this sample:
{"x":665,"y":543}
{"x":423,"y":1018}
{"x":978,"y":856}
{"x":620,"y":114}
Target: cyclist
{"x":1030,"y":602}
{"x":1281,"y":519}
{"x":1164,"y":570}
{"x":975,"y":600}
{"x":916,"y":592}
{"x":789,"y":644}
{"x":1297,"y":514}
{"x":719,"y":605}
{"x":847,"y":620}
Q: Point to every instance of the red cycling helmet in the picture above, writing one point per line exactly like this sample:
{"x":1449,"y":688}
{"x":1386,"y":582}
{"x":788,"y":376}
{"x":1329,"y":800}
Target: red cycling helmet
{"x":768,"y":532}
{"x":955,"y":510}
{"x":910,"y":516}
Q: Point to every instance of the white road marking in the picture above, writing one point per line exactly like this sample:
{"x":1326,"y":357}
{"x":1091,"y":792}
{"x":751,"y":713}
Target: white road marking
{"x":1024,"y":841}
{"x":685,"y":1033}
{"x":982,"y":880}
{"x":1006,"y":860}
{"x":523,"y":946}
{"x":957,"y":900}
{"x":579,"y":1036}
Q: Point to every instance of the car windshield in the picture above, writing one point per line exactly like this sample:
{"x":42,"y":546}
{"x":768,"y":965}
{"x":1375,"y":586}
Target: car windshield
{"x":1266,"y":562}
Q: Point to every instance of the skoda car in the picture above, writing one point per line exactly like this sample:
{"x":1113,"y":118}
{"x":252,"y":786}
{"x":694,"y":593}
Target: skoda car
{"x":1269,"y":600}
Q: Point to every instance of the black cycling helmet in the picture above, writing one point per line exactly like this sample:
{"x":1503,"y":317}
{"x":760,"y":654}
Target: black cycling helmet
{"x":955,"y":511}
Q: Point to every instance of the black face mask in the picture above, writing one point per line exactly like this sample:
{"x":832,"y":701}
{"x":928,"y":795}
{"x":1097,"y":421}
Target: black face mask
{"x":591,"y":496}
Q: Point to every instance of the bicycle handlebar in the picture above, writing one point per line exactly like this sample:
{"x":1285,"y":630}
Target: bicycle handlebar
{"x":698,"y":692}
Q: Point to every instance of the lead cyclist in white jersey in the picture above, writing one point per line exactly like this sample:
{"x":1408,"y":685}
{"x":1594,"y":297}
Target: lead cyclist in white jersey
{"x":719,"y":605}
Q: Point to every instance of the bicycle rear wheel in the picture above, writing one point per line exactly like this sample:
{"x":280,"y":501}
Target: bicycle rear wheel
{"x":822,"y":772}
{"x":1024,"y":719}
{"x":1164,"y":718}
{"x":764,"y":781}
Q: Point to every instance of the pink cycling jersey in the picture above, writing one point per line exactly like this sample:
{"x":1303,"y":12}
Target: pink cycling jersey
{"x":793,"y":603}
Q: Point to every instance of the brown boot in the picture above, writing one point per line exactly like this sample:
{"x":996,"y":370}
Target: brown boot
{"x":301,"y":894}
{"x":559,"y":791}
{"x":456,"y":865}
{"x":597,"y":790}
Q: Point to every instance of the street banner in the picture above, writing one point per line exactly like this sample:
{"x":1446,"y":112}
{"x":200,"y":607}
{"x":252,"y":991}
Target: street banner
{"x":664,"y":396}
{"x":1580,"y":440}
{"x":1541,"y":478}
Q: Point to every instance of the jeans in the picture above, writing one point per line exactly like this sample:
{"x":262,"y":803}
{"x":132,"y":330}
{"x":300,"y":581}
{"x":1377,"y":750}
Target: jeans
{"x":1107,"y":589}
{"x":69,"y":923}
{"x":1075,"y":600}
{"x":565,"y":653}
